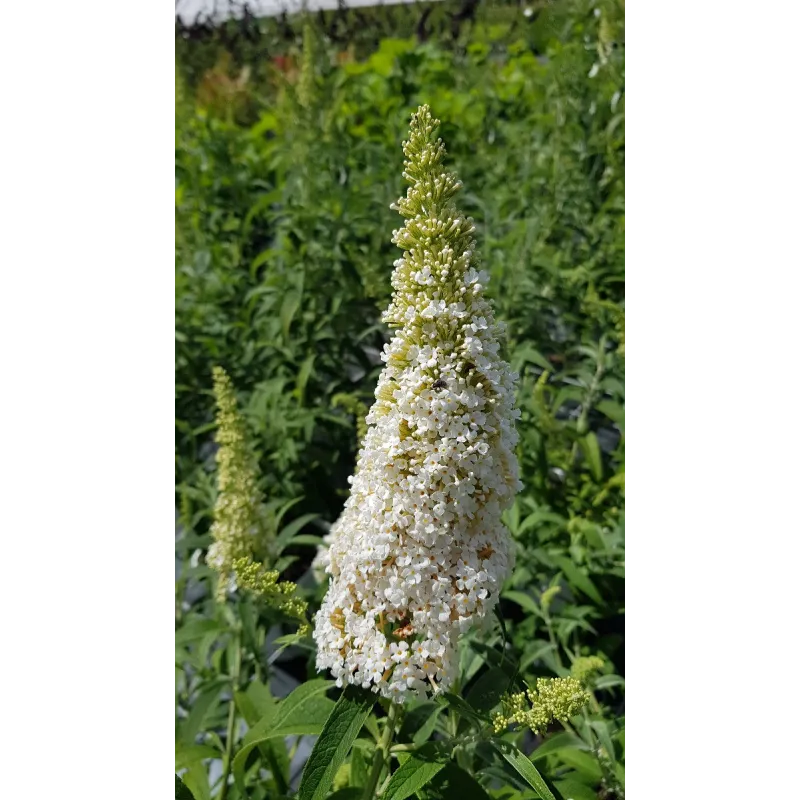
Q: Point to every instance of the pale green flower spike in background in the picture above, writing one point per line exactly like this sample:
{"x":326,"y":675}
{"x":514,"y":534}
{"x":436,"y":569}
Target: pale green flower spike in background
{"x":240,"y":536}
{"x":584,"y":667}
{"x":305,"y":86}
{"x":237,"y":526}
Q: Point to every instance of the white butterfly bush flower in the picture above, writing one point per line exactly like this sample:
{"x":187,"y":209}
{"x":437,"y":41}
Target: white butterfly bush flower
{"x":419,"y":553}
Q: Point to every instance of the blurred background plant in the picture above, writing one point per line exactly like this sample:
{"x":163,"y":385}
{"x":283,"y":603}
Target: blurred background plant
{"x":288,"y":133}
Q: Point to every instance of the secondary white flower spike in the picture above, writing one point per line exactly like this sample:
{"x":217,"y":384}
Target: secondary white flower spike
{"x":419,"y":553}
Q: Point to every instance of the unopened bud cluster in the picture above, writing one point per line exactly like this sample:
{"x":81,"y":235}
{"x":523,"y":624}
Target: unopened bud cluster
{"x":264,"y":584}
{"x":548,"y":595}
{"x":553,"y":699}
{"x":585,"y":667}
{"x":420,"y":553}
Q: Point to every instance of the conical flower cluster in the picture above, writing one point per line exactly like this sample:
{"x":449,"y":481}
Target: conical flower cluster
{"x":419,"y":554}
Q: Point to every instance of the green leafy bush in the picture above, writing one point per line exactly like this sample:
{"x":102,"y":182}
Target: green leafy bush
{"x":283,"y":257}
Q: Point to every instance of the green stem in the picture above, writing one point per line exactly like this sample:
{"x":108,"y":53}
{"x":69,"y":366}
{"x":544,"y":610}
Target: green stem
{"x":608,"y":776}
{"x":381,"y":753}
{"x":457,"y":741}
{"x":591,"y":395}
{"x":462,"y":758}
{"x":454,"y":718}
{"x":552,"y":636}
{"x":228,"y":758}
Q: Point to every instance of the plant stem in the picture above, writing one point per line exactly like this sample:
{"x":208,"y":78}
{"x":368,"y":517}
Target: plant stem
{"x":381,"y":753}
{"x":591,"y":395}
{"x":603,"y":760}
{"x":458,"y":741}
{"x":552,"y":637}
{"x":454,"y":719}
{"x":228,"y":760}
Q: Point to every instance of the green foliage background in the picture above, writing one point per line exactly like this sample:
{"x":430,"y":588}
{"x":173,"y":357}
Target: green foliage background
{"x":284,"y":176}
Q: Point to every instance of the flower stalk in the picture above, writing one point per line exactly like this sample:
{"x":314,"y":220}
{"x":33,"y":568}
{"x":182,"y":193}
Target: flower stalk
{"x":241,"y":537}
{"x":382,"y":753}
{"x":230,"y":731}
{"x":419,"y":553}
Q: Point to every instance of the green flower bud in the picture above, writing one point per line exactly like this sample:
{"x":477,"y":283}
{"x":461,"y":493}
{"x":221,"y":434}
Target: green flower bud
{"x":553,"y":699}
{"x":584,"y":667}
{"x":264,"y":584}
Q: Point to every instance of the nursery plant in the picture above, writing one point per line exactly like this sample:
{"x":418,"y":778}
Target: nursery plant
{"x":416,"y":562}
{"x":460,"y":629}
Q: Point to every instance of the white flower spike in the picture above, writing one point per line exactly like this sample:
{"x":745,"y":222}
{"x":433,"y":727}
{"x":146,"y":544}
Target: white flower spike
{"x":419,"y":553}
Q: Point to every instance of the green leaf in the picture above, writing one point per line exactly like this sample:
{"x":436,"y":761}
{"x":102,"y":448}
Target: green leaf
{"x":334,"y":742}
{"x":528,"y":353}
{"x":511,"y":516}
{"x":286,"y":535}
{"x":295,"y":639}
{"x":196,"y":780}
{"x":261,"y":698}
{"x":487,"y":690}
{"x":495,"y":659}
{"x":461,"y":707}
{"x":299,"y":708}
{"x":419,"y":723}
{"x":591,"y":451}
{"x":359,"y":768}
{"x":284,"y":562}
{"x":453,"y":783}
{"x":186,"y":754}
{"x":247,"y":615}
{"x":196,"y":629}
{"x":539,"y":517}
{"x":291,"y":302}
{"x":200,"y":709}
{"x":304,"y":374}
{"x":372,"y":726}
{"x":556,"y":743}
{"x":348,"y":793}
{"x":306,"y":539}
{"x":540,"y":650}
{"x":182,"y":790}
{"x":604,"y":736}
{"x":608,"y":681}
{"x":583,"y":763}
{"x":614,"y":411}
{"x":285,"y":507}
{"x":470,"y":663}
{"x":303,"y":712}
{"x":578,"y":578}
{"x":525,"y":768}
{"x":573,"y":789}
{"x":262,"y":258}
{"x":192,"y":542}
{"x":523,"y":600}
{"x":415,"y":772}
{"x":253,"y":704}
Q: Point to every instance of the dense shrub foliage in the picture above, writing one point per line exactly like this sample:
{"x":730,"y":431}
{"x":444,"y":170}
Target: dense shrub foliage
{"x":284,"y":180}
